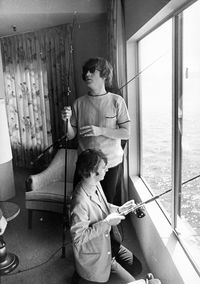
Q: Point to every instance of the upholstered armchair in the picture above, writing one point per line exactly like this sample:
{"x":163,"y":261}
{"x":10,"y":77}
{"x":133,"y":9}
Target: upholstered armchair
{"x":45,"y":190}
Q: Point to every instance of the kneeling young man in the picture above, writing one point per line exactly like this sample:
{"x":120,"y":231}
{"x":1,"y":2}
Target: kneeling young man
{"x":99,"y":255}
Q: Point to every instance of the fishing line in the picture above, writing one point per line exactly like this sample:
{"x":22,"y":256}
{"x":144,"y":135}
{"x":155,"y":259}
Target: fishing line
{"x":145,"y":68}
{"x":153,"y":198}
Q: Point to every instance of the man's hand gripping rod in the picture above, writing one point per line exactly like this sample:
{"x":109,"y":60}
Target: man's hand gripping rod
{"x":125,"y":212}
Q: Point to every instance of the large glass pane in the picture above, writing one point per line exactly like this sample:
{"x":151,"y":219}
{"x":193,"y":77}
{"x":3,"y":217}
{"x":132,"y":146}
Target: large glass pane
{"x":190,"y":197}
{"x":155,"y":65}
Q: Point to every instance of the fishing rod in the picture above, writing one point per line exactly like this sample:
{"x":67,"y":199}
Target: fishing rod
{"x":153,"y":198}
{"x":140,"y":72}
{"x":141,"y":204}
{"x":65,"y":217}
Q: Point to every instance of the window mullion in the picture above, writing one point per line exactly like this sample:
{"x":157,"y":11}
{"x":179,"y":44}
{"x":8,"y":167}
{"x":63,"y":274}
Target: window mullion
{"x":176,"y":118}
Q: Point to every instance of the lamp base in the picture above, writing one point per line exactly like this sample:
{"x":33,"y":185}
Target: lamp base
{"x":9,"y":264}
{"x":8,"y":261}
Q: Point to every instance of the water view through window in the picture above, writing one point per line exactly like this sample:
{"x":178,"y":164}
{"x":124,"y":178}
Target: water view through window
{"x":155,"y":58}
{"x":190,"y":197}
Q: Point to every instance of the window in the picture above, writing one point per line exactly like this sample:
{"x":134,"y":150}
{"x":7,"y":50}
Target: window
{"x":157,"y":109}
{"x":190,"y":192}
{"x":155,"y":58}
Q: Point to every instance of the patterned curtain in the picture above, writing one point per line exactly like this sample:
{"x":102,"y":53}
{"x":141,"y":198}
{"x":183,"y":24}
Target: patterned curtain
{"x":60,"y":70}
{"x":116,"y":49}
{"x":36,"y":77}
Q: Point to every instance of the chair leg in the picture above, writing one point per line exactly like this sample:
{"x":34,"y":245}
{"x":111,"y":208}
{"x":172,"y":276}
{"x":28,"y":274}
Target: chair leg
{"x":30,"y":217}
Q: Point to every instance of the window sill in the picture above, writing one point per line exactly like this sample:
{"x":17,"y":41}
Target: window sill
{"x":188,"y":238}
{"x":161,"y":248}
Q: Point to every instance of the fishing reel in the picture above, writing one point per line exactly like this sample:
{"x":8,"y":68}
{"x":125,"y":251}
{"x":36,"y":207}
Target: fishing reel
{"x":140,"y":212}
{"x":139,"y":209}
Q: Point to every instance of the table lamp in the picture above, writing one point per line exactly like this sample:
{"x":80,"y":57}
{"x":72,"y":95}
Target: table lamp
{"x":8,"y":261}
{"x":7,"y":188}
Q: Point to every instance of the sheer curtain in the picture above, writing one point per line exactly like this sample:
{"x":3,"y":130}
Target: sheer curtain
{"x":36,"y":77}
{"x":117,"y":57}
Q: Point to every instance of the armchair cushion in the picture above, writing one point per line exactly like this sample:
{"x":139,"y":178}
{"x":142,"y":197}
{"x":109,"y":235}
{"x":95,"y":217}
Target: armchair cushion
{"x":53,"y":191}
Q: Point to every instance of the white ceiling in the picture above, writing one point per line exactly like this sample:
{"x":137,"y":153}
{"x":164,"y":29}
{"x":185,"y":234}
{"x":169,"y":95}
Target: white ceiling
{"x":30,"y":15}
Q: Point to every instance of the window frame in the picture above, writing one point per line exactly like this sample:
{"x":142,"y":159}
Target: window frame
{"x":176,"y":116}
{"x":135,"y":171}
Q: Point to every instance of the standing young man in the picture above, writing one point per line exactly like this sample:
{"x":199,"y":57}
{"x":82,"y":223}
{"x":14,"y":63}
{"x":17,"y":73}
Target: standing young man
{"x":100,"y":120}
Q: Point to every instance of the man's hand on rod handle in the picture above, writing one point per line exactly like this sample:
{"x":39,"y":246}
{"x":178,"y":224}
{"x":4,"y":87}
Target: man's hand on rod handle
{"x":66,"y":113}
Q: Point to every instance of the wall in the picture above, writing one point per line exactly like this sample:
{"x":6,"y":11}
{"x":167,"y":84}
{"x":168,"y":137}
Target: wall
{"x":2,"y":93}
{"x":89,"y":41}
{"x":38,"y":14}
{"x":138,"y":12}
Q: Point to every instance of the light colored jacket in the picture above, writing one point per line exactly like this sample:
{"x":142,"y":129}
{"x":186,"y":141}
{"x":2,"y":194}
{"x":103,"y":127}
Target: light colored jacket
{"x":91,"y":234}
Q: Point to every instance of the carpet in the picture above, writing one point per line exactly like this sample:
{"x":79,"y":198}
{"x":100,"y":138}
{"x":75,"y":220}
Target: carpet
{"x":38,"y":249}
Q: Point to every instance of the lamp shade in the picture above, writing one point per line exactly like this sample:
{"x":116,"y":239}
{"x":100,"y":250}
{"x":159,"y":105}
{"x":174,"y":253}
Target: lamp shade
{"x":5,"y":147}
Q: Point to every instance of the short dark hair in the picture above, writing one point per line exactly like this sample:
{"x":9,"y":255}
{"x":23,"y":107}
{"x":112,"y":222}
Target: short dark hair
{"x":88,"y":162}
{"x":101,"y":64}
